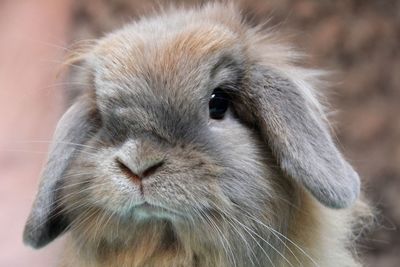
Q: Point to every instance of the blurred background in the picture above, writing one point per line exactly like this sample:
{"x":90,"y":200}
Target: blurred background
{"x":358,"y":40}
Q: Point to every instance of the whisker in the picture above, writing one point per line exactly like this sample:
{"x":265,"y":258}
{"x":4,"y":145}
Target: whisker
{"x":258,"y":244}
{"x":280,"y":240}
{"x":54,"y":142}
{"x":28,"y":39}
{"x":247,"y":245}
{"x":286,"y":238}
{"x":224,"y":242}
{"x":63,"y":63}
{"x":65,"y":84}
{"x":23,"y":151}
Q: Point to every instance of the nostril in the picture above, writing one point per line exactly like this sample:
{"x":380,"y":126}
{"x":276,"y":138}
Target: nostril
{"x":141,"y":172}
{"x":127,"y":171}
{"x":152,"y":169}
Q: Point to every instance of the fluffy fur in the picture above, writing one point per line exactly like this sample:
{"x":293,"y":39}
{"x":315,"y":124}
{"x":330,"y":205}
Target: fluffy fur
{"x":265,"y":186}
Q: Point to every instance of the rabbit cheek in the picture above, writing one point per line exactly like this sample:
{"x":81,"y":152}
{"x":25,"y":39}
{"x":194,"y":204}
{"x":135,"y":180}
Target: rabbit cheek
{"x":96,"y":183}
{"x":247,"y":180}
{"x":114,"y":190}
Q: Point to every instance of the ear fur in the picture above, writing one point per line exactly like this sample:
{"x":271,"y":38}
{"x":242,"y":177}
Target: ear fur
{"x":46,"y":220}
{"x":300,"y":139}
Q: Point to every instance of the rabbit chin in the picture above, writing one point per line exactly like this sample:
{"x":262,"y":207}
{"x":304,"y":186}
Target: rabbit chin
{"x":147,"y":211}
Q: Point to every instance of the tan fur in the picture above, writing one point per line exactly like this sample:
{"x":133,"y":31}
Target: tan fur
{"x":323,"y":233}
{"x":318,"y":237}
{"x":313,"y":235}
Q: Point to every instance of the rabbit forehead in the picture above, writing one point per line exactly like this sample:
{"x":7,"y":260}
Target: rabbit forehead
{"x":174,"y":68}
{"x":166,"y":58}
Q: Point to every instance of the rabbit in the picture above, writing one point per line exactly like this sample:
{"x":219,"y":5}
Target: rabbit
{"x":199,"y":142}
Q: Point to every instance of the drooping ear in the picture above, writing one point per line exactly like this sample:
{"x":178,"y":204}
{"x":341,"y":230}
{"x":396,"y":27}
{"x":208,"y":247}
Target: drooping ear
{"x":46,"y":221}
{"x":294,"y":128}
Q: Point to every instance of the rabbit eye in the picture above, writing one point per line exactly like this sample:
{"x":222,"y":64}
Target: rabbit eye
{"x":219,"y":104}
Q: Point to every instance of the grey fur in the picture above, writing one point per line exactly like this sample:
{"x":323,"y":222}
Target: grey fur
{"x":74,"y":128}
{"x":149,"y":103}
{"x":300,"y":139}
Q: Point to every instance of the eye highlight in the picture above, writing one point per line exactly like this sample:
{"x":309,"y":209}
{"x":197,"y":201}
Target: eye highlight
{"x":219,"y":104}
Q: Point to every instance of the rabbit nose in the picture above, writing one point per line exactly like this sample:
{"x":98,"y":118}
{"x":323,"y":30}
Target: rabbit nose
{"x":138,"y":172}
{"x":151,"y":168}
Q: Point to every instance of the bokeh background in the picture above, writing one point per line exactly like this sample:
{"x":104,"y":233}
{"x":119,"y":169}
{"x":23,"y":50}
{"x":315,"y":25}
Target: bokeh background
{"x":357,"y":40}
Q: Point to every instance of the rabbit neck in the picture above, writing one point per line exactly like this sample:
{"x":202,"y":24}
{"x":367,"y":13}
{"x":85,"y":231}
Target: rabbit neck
{"x":311,"y":235}
{"x":154,"y":250}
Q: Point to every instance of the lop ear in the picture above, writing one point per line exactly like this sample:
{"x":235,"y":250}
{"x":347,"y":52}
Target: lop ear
{"x":46,"y":221}
{"x":293,"y":126}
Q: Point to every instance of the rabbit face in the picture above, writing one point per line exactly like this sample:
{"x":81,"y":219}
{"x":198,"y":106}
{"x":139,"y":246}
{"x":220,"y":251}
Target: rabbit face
{"x":155,"y":115}
{"x":198,"y":133}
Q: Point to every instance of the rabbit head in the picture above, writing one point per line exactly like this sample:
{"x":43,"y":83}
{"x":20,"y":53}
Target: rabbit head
{"x":194,"y":127}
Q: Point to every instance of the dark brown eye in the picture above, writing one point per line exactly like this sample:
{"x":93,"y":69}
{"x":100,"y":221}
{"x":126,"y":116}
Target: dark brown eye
{"x":219,"y":104}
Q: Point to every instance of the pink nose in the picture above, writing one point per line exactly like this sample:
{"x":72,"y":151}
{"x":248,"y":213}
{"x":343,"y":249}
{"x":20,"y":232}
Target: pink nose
{"x":140,"y":172}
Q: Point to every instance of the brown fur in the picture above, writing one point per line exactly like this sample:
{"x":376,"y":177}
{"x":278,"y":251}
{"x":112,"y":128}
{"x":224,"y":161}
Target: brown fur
{"x":282,"y":224}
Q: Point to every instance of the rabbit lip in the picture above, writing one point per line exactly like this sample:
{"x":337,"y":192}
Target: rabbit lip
{"x":148,"y":206}
{"x":154,"y":210}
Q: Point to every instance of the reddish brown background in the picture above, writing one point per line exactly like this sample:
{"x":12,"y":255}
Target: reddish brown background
{"x":356,"y":39}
